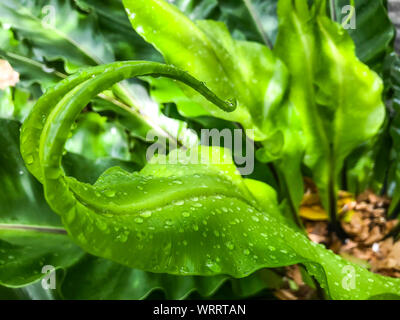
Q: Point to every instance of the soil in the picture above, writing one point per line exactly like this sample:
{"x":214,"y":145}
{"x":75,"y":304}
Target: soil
{"x":369,"y":241}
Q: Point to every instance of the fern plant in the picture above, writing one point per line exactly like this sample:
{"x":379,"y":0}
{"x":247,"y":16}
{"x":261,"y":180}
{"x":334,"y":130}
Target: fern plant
{"x":309,"y":103}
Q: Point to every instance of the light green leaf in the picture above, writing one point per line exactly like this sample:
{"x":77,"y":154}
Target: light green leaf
{"x":373,"y":33}
{"x":338,"y":98}
{"x":31,"y":236}
{"x":6,"y":103}
{"x":175,"y":216}
{"x":15,"y":103}
{"x":229,"y":67}
{"x":94,"y":137}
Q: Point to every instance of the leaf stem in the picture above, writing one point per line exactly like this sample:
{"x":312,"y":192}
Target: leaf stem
{"x":258,"y":23}
{"x":332,"y":198}
{"x":22,"y":227}
{"x":332,"y":9}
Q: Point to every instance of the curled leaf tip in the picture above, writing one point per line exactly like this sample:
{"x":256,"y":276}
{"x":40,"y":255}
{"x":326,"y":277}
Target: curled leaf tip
{"x":232,"y":103}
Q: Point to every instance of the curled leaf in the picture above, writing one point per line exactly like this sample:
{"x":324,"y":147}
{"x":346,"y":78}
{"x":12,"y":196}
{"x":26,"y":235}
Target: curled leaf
{"x":187,"y":213}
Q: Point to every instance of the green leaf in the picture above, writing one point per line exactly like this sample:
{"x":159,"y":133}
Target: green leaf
{"x":109,"y":280}
{"x":31,"y":235}
{"x":394,"y":129}
{"x":374,"y":32}
{"x":88,"y":170}
{"x":29,"y":66}
{"x":368,"y":165}
{"x":256,"y":20}
{"x":15,"y":104}
{"x":338,"y":98}
{"x":33,"y":291}
{"x":81,"y":43}
{"x":43,"y":22}
{"x":229,"y":67}
{"x":6,"y":103}
{"x":175,"y":216}
{"x":116,"y":29}
{"x":94,"y":137}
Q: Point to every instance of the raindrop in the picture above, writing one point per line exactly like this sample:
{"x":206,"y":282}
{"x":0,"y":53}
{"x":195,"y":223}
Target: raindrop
{"x":138,"y":220}
{"x":230,"y":245}
{"x":110,"y":193}
{"x":101,"y":224}
{"x":122,"y":237}
{"x":145,"y":214}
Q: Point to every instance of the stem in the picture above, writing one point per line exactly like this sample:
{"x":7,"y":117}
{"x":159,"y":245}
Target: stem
{"x":131,"y":107}
{"x":22,"y":227}
{"x":350,"y":16}
{"x":294,"y":210}
{"x":332,"y":210}
{"x":332,"y":9}
{"x":258,"y":23}
{"x":136,"y":111}
{"x":332,"y":204}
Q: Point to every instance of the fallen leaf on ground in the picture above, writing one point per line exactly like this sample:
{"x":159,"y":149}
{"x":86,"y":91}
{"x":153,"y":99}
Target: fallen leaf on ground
{"x":366,"y":227}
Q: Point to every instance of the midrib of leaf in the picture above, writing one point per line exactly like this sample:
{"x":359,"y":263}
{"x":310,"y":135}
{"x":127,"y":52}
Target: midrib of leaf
{"x":311,"y":103}
{"x":146,"y":118}
{"x":332,"y":156}
{"x":257,"y":23}
{"x":166,"y":205}
{"x":23,"y":227}
{"x":123,"y":23}
{"x":339,"y":70}
{"x":33,"y":62}
{"x":332,"y":9}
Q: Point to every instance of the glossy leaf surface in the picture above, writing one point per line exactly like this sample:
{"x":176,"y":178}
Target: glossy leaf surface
{"x":229,"y":67}
{"x":338,"y":98}
{"x":174,"y":216}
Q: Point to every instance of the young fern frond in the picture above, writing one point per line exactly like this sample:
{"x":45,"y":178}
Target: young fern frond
{"x":173,"y":217}
{"x":98,"y":79}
